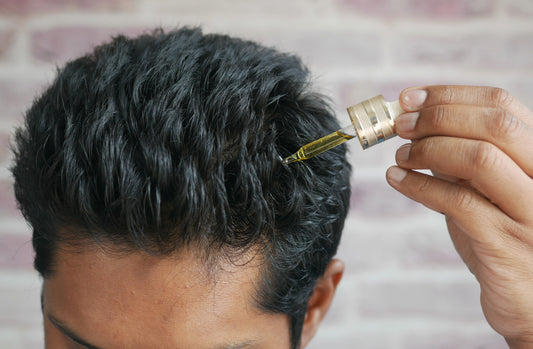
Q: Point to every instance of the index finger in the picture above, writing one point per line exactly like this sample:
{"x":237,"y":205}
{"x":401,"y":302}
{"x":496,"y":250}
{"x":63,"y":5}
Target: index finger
{"x":416,"y":98}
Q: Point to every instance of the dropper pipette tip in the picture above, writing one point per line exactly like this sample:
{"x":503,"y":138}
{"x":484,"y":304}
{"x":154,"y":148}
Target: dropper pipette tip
{"x":290,"y":159}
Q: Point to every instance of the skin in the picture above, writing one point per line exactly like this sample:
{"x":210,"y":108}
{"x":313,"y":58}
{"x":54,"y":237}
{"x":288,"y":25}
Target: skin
{"x":478,"y":141}
{"x":140,"y":301}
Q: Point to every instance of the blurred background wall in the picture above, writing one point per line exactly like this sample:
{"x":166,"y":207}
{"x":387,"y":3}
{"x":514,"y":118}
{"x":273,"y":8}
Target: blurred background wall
{"x":404,"y":286}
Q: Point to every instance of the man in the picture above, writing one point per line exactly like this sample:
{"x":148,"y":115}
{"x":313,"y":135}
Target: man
{"x":163,"y":217}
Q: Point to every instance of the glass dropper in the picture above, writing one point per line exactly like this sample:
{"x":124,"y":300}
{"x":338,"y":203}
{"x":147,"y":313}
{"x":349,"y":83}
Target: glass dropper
{"x":321,"y":145}
{"x":372,"y":123}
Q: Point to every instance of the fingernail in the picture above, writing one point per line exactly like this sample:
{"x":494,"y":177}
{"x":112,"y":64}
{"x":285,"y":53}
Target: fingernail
{"x":414,"y":99}
{"x":396,"y":174}
{"x":402,"y":154}
{"x":406,"y":122}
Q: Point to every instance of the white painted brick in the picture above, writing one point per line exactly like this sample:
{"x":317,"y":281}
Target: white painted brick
{"x":21,"y":339}
{"x":432,"y":298}
{"x":20,"y":299}
{"x":404,"y":286}
{"x":467,"y":338}
{"x":520,"y":7}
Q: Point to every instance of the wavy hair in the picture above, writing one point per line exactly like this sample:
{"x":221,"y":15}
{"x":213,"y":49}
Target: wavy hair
{"x":171,"y":140}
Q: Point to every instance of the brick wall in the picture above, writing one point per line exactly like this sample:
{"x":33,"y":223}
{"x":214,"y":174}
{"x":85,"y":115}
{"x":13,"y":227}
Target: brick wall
{"x":404,"y":287}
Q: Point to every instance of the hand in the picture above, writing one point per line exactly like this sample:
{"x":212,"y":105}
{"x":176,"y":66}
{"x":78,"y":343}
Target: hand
{"x":478,"y":141}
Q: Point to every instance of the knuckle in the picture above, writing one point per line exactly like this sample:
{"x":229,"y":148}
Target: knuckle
{"x":485,"y":156}
{"x":425,"y":185}
{"x":504,"y":125}
{"x":501,"y":97}
{"x":424,"y":149}
{"x":448,"y":95}
{"x":514,"y":230}
{"x":439,"y":117}
{"x":463,"y":198}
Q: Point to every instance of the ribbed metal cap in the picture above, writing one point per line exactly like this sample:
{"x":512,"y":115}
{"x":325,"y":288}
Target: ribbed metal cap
{"x":373,"y":120}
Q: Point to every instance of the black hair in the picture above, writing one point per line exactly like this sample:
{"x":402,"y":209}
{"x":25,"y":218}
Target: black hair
{"x":174,"y":139}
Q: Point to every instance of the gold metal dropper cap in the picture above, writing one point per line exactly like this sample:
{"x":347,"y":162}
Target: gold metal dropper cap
{"x":372,"y":122}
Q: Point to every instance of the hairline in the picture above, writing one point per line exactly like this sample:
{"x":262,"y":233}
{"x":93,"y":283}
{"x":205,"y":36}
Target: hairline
{"x":212,"y":264}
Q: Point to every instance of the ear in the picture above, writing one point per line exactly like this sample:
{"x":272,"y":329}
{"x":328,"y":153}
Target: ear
{"x":320,"y":300}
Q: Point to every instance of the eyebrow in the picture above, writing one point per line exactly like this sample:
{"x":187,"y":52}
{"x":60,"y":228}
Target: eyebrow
{"x":68,"y":332}
{"x":76,"y":338}
{"x":243,"y":345}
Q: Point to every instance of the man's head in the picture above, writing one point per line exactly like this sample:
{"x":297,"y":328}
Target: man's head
{"x":150,"y":173}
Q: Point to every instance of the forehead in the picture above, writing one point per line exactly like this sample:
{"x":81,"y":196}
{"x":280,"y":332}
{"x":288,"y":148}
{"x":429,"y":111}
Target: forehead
{"x":138,"y":300}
